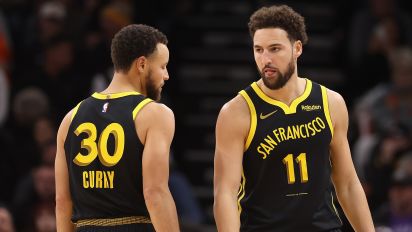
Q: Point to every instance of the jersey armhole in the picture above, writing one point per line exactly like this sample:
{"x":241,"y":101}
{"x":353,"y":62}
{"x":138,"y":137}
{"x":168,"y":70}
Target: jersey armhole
{"x":326,"y":108}
{"x":253,"y":118}
{"x":140,"y":106}
{"x":74,"y":112}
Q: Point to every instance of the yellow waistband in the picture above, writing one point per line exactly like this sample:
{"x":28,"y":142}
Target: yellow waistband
{"x":112,"y":221}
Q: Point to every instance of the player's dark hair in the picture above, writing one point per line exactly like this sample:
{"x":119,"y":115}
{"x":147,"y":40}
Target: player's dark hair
{"x":282,"y":17}
{"x":132,"y":42}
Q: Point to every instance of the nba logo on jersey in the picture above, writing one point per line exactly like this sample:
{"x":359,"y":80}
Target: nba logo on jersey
{"x":105,"y":106}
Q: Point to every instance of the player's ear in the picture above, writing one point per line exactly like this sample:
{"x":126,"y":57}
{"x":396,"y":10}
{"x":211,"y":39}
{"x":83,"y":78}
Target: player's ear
{"x":297,"y":48}
{"x":140,"y":63}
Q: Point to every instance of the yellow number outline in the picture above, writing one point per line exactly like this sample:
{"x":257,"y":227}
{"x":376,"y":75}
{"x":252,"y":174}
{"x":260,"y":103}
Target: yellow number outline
{"x":99,"y":149}
{"x":290,"y":168}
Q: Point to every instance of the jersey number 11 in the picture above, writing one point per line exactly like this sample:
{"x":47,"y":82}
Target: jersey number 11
{"x":290,"y":168}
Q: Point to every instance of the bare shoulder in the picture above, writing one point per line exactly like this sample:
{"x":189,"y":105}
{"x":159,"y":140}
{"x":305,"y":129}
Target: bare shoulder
{"x":155,"y":111}
{"x":154,"y":116}
{"x":64,"y":126}
{"x":236,"y":108}
{"x":335,"y":99}
{"x":337,"y":107}
{"x":234,"y":117}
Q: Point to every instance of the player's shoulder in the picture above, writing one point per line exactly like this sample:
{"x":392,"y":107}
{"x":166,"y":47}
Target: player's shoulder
{"x":236,"y":105}
{"x":337,"y":107}
{"x":157,"y":109}
{"x":335,"y":99}
{"x":235,"y":111}
{"x":155,"y":113}
{"x":67,"y":118}
{"x":65,"y":124}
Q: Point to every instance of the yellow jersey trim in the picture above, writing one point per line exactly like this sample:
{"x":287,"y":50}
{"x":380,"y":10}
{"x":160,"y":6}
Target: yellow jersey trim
{"x":242,"y":192}
{"x":75,"y":111}
{"x":285,"y":108}
{"x":334,"y":207}
{"x":102,"y":96}
{"x":253,"y":119}
{"x":326,"y":108}
{"x":140,"y":106}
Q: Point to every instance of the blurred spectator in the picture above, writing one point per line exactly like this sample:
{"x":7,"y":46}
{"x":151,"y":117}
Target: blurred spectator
{"x":44,"y":217}
{"x":48,"y":23}
{"x":115,"y":16}
{"x":5,"y":44}
{"x":396,"y":215}
{"x":390,"y":103}
{"x":51,"y":16}
{"x":96,"y":58}
{"x":56,"y":76}
{"x":112,"y":17}
{"x":383,"y":116}
{"x":28,"y":105}
{"x":44,"y":131}
{"x":377,"y":26}
{"x":5,"y":63}
{"x":35,"y":189}
{"x":374,"y":33}
{"x":44,"y":134}
{"x":7,"y":168}
{"x":6,"y":220}
{"x":381,"y":164}
{"x":396,"y":104}
{"x":4,"y":97}
{"x":101,"y":80}
{"x":48,"y":153}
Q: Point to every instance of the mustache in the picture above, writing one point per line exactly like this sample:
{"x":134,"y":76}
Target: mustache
{"x":269,"y":66}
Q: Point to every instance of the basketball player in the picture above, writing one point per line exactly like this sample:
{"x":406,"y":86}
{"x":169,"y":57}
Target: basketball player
{"x":281,"y":143}
{"x":112,"y":163}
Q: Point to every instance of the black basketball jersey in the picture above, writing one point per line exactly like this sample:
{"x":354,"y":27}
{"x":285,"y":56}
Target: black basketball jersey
{"x":104,"y":157}
{"x":286,"y":180}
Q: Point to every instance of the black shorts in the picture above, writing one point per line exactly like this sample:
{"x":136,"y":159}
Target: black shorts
{"x":140,"y":227}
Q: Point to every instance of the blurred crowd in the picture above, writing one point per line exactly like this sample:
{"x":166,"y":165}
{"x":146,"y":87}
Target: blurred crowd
{"x":55,"y":53}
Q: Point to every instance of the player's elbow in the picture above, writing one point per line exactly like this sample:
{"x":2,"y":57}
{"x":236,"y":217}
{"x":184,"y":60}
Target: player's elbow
{"x":154,"y":196}
{"x":216,"y":205}
{"x":223,"y":196}
{"x":63,"y":203}
{"x":217,"y":195}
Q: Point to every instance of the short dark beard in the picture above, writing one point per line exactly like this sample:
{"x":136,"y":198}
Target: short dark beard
{"x":282,"y":78}
{"x":151,"y":90}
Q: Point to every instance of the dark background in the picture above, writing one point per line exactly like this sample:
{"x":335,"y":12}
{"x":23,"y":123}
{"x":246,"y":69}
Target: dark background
{"x":53,"y":54}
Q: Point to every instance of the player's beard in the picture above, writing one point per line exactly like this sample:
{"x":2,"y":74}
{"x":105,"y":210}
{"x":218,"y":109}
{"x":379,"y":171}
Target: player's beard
{"x":280,"y":79}
{"x":153,"y":92}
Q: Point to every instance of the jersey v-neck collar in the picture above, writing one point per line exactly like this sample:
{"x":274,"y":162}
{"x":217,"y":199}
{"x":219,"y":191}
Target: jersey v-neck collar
{"x":287,"y":109}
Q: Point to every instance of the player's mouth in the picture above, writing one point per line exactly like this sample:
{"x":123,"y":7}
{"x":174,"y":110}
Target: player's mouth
{"x":269,"y":72}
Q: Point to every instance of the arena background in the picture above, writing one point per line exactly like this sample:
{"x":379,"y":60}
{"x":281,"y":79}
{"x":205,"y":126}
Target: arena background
{"x":55,"y":53}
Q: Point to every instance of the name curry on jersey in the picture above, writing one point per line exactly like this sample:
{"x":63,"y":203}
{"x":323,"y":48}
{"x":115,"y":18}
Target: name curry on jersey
{"x":98,"y":179}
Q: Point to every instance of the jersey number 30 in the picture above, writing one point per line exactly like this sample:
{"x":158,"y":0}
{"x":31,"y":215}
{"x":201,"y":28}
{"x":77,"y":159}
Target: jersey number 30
{"x":99,"y":148}
{"x":290,"y":168}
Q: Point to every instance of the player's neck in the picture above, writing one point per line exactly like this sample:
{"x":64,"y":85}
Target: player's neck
{"x":292,"y":90}
{"x":121,"y":83}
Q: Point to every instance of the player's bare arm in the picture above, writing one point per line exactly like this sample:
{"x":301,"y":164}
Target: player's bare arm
{"x":348,"y":188}
{"x":155,"y":127}
{"x":232,"y":128}
{"x":63,"y":198}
